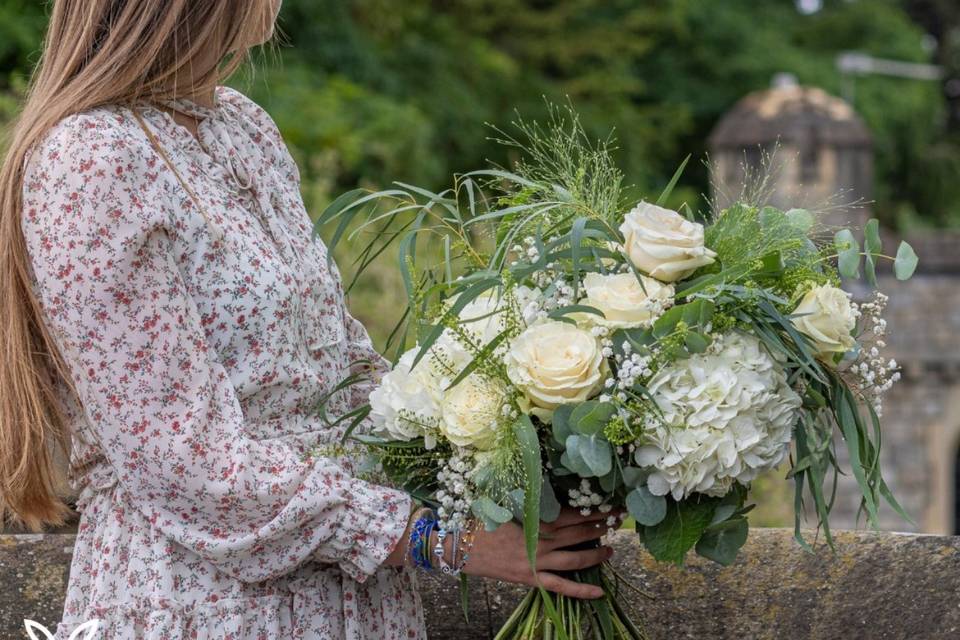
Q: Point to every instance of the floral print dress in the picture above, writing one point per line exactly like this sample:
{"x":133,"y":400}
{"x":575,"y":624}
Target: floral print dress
{"x":215,"y":502}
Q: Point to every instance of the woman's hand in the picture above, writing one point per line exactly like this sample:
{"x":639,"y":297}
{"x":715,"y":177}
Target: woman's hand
{"x":502,"y":554}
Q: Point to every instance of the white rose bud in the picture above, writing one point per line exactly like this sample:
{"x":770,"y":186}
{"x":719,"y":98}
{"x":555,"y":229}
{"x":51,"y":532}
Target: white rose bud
{"x":664,"y":244}
{"x":470,"y":410}
{"x":825,"y":315}
{"x":485,"y":316}
{"x":555,"y":363}
{"x":625,"y":303}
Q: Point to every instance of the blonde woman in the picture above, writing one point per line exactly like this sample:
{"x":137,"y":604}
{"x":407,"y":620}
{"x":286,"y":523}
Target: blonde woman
{"x":169,"y":321}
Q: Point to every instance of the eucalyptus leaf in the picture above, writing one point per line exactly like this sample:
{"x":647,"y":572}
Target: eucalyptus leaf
{"x":848,"y":250}
{"x":591,"y":417}
{"x":874,"y":246}
{"x":666,"y":323}
{"x":490,"y":511}
{"x":560,"y":424}
{"x":610,"y":481}
{"x":634,"y":477}
{"x":728,"y":506}
{"x":696,"y":343}
{"x":721,"y":542}
{"x":549,"y":505}
{"x":870,"y":269}
{"x":594,"y":452}
{"x":515,"y":503}
{"x":871,"y":235}
{"x":801,"y":219}
{"x":573,"y":460}
{"x":699,"y":313}
{"x":906,"y":262}
{"x":646,"y":508}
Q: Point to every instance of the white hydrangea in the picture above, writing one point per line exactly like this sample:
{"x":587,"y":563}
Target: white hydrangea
{"x":728,"y":414}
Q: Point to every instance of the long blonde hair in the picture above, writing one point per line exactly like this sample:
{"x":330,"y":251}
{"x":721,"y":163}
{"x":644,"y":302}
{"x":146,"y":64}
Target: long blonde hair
{"x":96,"y":52}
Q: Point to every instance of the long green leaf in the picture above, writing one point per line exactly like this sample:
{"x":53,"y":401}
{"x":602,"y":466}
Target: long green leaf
{"x":576,"y":240}
{"x":551,"y":612}
{"x":849,"y":422}
{"x":668,"y":191}
{"x":529,"y":445}
{"x":336,"y":207}
{"x":463,"y":299}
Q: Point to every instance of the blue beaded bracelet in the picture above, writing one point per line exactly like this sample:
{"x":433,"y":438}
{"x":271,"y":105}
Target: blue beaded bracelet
{"x":420,"y":540}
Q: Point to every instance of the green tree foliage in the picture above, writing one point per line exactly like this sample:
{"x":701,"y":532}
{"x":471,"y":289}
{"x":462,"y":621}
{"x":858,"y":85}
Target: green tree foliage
{"x":370,"y":91}
{"x":660,"y":72}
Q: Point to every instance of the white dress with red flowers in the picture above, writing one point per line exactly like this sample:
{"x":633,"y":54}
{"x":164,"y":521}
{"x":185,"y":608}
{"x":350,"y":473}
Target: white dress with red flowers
{"x":215,"y":502}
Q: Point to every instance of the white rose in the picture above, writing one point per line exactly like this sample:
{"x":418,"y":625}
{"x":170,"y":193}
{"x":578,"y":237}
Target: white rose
{"x":664,"y":244}
{"x":471,"y":412}
{"x":486,"y":315}
{"x":555,"y":363}
{"x":825,"y":315}
{"x":625,"y":303}
{"x":404,"y":405}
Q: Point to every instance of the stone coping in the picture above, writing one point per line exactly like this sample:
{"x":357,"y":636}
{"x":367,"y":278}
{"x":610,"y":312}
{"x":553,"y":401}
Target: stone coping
{"x":876,"y":586}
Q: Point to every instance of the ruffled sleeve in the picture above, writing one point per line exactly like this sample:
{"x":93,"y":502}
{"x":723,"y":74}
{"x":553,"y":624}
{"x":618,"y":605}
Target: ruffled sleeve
{"x":163,"y":409}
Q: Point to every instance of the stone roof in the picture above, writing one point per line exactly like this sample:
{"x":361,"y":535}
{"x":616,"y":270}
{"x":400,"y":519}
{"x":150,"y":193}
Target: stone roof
{"x":791,"y":114}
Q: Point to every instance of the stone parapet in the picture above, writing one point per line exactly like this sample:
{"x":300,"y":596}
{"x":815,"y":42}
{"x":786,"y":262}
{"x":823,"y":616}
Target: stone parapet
{"x":881,"y":586}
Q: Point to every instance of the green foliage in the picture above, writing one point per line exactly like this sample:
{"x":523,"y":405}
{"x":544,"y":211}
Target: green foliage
{"x":661,"y":72}
{"x":646,"y":508}
{"x":529,"y":443}
{"x":681,"y":528}
{"x":371,"y":91}
{"x":745,"y":236}
{"x":721,"y":542}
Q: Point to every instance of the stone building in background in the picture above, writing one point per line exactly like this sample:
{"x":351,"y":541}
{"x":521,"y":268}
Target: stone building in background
{"x":823,"y":161}
{"x":812,"y":149}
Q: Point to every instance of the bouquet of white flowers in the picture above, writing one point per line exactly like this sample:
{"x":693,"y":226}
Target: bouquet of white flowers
{"x":573,"y":350}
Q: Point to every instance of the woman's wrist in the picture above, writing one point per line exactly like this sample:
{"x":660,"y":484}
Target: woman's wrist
{"x":426,"y":545}
{"x":400,"y":555}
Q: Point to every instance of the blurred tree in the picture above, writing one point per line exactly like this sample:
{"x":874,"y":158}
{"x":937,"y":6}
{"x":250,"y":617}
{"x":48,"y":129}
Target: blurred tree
{"x":21,"y":27}
{"x":373,"y":90}
{"x":661,"y":72}
{"x":941,"y":19}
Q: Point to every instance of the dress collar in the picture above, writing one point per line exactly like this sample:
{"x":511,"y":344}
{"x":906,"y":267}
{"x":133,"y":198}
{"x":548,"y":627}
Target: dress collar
{"x":194,"y":109}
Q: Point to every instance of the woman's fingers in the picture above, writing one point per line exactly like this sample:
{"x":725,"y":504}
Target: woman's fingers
{"x":569,"y":536}
{"x":556,"y":584}
{"x":574,"y":560}
{"x":571,"y":517}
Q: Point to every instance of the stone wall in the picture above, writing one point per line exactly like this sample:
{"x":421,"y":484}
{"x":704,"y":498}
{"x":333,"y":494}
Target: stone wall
{"x":876,"y":587}
{"x":922,"y":412}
